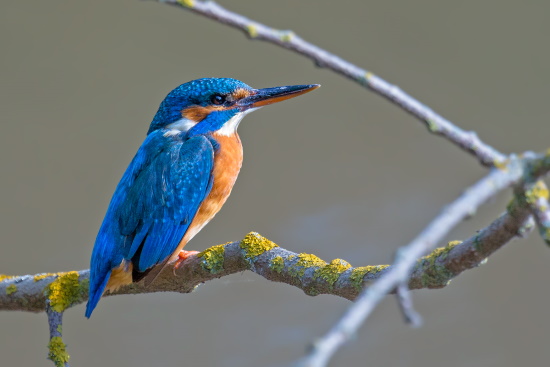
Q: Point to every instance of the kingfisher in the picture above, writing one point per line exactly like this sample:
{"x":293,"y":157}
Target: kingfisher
{"x":178,"y":180}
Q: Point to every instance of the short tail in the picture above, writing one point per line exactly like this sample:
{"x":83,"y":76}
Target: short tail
{"x":95,"y":292}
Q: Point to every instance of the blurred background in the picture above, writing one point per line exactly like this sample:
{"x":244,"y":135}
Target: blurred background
{"x":339,"y":172}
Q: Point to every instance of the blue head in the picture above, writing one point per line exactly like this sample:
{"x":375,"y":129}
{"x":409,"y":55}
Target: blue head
{"x":207,"y":105}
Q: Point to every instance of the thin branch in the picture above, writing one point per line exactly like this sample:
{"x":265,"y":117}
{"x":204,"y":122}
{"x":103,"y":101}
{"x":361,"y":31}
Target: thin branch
{"x":307,"y":272}
{"x":468,"y":141}
{"x":404,"y":300}
{"x":57,"y":349}
{"x":54,"y":293}
{"x":436,"y":123}
{"x":534,"y":193}
{"x":536,"y":197}
{"x":63,"y":290}
{"x":453,"y":214}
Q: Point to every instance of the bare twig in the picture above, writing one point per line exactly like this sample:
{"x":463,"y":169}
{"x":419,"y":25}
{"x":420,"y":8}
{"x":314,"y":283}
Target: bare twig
{"x":533,"y":193}
{"x":257,"y":254}
{"x":56,"y":292}
{"x":468,"y":141}
{"x":453,"y":214}
{"x":311,"y":274}
{"x":404,"y":300}
{"x":436,"y":123}
{"x":308,"y":272}
{"x":314,"y":276}
{"x":536,"y":197}
{"x":517,"y":221}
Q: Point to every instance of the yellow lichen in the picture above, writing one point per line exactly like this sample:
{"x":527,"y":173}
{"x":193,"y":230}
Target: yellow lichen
{"x":501,"y":165}
{"x":539,"y":190}
{"x":359,"y":273}
{"x":435,"y":275}
{"x":332,"y":271}
{"x":187,"y":3}
{"x":65,"y":290}
{"x":306,"y":261}
{"x":12,"y":288}
{"x":432,"y":125}
{"x":357,"y":276}
{"x":252,"y":30}
{"x":4,"y":277}
{"x":254,"y":245}
{"x":277,"y":264}
{"x":440,"y":252}
{"x":286,"y":36}
{"x":213,"y":258}
{"x":44,"y":276}
{"x":57,"y":352}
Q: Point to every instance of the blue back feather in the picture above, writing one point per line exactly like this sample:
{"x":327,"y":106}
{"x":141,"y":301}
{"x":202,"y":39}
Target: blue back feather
{"x":152,"y":206}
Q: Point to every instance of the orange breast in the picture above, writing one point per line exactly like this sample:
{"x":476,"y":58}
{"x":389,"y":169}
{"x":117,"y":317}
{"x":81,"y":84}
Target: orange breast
{"x":227,"y":164}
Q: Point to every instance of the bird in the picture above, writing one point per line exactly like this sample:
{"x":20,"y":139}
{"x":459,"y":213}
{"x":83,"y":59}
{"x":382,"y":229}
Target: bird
{"x":178,"y":180}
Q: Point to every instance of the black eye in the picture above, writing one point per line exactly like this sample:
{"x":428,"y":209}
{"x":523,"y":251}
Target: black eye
{"x":218,"y":99}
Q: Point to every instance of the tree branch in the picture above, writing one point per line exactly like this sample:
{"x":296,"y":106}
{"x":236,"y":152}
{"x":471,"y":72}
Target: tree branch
{"x":468,"y":141}
{"x":437,"y":124}
{"x":54,"y":293}
{"x":261,"y":256}
{"x":404,"y":299}
{"x":308,"y":272}
{"x":535,"y":194}
{"x":57,"y":348}
{"x":450,"y":216}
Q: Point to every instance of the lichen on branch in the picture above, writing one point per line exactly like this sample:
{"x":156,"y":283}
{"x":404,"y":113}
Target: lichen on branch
{"x":257,"y":254}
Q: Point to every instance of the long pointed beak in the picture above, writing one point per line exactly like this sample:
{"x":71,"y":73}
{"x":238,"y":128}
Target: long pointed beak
{"x":266,"y":96}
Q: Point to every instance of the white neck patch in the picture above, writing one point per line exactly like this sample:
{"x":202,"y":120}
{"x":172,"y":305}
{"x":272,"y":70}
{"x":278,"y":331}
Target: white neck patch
{"x":182,"y":125}
{"x":230,"y":127}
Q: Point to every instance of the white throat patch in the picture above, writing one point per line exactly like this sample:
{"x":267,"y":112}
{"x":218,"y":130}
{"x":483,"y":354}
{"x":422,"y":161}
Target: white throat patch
{"x":230,"y":127}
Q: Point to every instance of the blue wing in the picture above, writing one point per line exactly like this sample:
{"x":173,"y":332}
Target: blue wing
{"x":152,"y":207}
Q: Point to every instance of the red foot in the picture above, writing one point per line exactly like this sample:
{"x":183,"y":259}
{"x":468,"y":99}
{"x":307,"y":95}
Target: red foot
{"x":182,"y":256}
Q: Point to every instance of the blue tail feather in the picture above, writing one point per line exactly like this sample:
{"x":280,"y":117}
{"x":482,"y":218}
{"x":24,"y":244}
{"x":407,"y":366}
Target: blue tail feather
{"x":96,"y":291}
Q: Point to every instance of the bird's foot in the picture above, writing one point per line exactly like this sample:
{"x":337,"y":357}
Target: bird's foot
{"x":182,"y":256}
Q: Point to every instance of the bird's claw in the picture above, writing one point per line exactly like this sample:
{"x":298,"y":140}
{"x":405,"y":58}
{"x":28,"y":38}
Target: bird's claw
{"x":182,"y":256}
